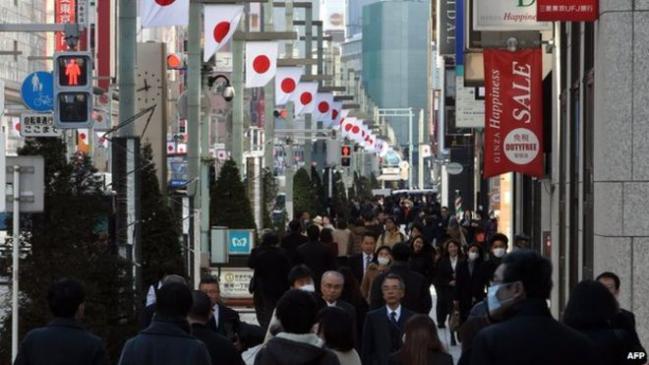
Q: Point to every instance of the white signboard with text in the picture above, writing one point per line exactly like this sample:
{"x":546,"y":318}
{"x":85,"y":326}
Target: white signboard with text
{"x":38,"y":125}
{"x":504,"y":15}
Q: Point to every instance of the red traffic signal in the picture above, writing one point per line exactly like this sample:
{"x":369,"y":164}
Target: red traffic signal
{"x":175,"y":62}
{"x":73,"y":70}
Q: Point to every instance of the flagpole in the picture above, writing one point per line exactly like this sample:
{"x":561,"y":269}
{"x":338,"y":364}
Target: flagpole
{"x":269,"y":99}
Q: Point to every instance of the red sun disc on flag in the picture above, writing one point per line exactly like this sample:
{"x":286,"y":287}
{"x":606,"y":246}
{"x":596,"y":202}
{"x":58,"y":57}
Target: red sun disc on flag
{"x":334,"y":114}
{"x":170,"y":148}
{"x":288,"y":85}
{"x":261,"y":64}
{"x":348,"y":127}
{"x":102,"y":140}
{"x":18,"y":127}
{"x":82,"y":136}
{"x":306,"y":98}
{"x":355,"y":129}
{"x":323,"y":107}
{"x":221,"y":30}
{"x":165,"y":2}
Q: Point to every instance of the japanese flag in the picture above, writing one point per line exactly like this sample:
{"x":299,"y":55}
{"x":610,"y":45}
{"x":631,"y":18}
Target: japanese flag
{"x":336,"y":114}
{"x":102,"y":140}
{"x":221,"y":21}
{"x":171,"y":148}
{"x":82,"y":141}
{"x":164,"y":13}
{"x":286,"y":82}
{"x":261,"y":63}
{"x":15,"y":127}
{"x":347,"y":126}
{"x":324,"y":102}
{"x":182,"y":149}
{"x":304,"y":97}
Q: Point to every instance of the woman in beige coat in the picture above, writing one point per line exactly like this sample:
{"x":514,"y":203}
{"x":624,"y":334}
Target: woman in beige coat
{"x":381,"y":264}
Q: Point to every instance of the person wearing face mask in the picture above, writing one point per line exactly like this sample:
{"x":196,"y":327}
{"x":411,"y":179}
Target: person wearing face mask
{"x":300,"y":277}
{"x":380,"y":264}
{"x":498,"y":245}
{"x":523,"y":330}
{"x":470,"y":282}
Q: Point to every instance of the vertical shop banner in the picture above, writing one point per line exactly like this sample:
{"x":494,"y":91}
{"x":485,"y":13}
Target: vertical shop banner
{"x":64,"y":12}
{"x":567,"y":10}
{"x":513,"y":112}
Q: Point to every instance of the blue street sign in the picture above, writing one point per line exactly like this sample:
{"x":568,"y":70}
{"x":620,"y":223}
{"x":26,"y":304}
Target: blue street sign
{"x":38,"y":91}
{"x":239,"y":241}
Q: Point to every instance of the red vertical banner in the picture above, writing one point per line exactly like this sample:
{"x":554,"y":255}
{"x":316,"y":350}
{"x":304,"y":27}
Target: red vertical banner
{"x":103,"y":43}
{"x":64,"y":12}
{"x":513,"y":112}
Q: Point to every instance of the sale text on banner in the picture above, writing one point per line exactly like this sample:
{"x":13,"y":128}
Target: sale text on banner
{"x":513,"y":112}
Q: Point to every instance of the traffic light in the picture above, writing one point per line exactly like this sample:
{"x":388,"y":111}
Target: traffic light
{"x":345,"y":155}
{"x":73,"y":90}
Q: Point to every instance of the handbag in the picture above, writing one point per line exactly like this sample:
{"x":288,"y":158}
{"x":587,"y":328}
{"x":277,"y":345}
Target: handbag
{"x":454,"y":321}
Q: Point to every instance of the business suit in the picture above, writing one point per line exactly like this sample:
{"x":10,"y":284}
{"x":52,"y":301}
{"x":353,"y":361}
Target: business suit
{"x":229,"y":322}
{"x":357,"y":266}
{"x":271,"y":265}
{"x":290,"y":243}
{"x":381,"y":336}
{"x":221,"y":350}
{"x":445,"y":291}
{"x":417,"y":295}
{"x":62,"y":341}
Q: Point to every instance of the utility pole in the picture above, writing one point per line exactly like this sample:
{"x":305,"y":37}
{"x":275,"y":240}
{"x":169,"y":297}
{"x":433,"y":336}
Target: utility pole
{"x":269,"y":99}
{"x":420,"y":162}
{"x":237,"y":102}
{"x":410,"y":147}
{"x":290,"y":160}
{"x":127,"y":64}
{"x":308,"y":54}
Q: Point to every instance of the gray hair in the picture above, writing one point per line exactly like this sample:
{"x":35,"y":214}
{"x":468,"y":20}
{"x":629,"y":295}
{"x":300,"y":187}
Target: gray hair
{"x":334,"y":273}
{"x":393,"y":276}
{"x":173,"y":278}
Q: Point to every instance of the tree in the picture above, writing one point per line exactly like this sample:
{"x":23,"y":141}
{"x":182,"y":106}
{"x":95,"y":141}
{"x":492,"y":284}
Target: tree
{"x":302,"y":193}
{"x":160,"y":231}
{"x":229,"y":204}
{"x":70,"y":239}
{"x":340,"y":203}
{"x":318,"y":193}
{"x":269,"y":193}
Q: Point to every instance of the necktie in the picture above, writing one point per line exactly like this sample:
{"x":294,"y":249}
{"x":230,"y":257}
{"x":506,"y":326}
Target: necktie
{"x":368,"y":258}
{"x":393,"y":317}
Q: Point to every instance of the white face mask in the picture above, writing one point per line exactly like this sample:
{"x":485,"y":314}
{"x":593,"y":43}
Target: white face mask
{"x":499,"y":252}
{"x":495,"y":304}
{"x":310,"y":288}
{"x":383,"y":260}
{"x":473,"y":256}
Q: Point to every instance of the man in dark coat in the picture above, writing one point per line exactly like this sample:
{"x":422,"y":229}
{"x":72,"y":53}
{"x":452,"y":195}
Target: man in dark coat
{"x":296,"y":344}
{"x":331,"y":288}
{"x":147,"y":315}
{"x":624,"y":319}
{"x":293,"y":240}
{"x":359,"y":263}
{"x":63,"y":340}
{"x":270,"y":281}
{"x":316,"y":256}
{"x":417,"y":291}
{"x":525,"y":332}
{"x":225,"y":320}
{"x":167,"y":341}
{"x":221,"y":350}
{"x":384,"y":326}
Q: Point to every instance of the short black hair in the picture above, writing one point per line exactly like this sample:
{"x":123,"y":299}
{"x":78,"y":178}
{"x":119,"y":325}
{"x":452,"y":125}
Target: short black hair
{"x":532,"y":269}
{"x":64,"y":297}
{"x":209,"y":279}
{"x":612,"y":276}
{"x":269,"y":238}
{"x":368,"y":233}
{"x":313,"y":232}
{"x":295,"y":226}
{"x":201,"y":305}
{"x":326,"y":235}
{"x":591,"y":305}
{"x":296,"y":311}
{"x":337,"y":328}
{"x":401,"y":252}
{"x":499,"y":237}
{"x":299,"y":272}
{"x":173,"y":300}
{"x":393,"y":276}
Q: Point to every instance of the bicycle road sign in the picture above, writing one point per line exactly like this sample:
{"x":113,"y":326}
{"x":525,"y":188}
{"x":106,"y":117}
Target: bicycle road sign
{"x":37,"y":91}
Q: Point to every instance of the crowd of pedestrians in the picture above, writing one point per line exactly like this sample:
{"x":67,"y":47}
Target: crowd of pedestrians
{"x":360,"y":294}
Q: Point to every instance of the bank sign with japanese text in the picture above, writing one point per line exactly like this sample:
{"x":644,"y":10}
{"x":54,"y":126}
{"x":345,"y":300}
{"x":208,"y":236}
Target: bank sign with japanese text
{"x":505,"y":15}
{"x":568,"y":10}
{"x":513,"y":112}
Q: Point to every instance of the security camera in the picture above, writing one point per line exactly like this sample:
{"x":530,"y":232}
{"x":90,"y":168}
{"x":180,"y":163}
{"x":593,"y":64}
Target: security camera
{"x":512,"y":44}
{"x":228,"y":93}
